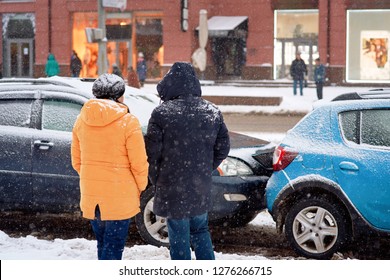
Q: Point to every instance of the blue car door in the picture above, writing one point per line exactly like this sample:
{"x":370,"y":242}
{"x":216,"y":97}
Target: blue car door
{"x":362,"y":166}
{"x":55,"y":182}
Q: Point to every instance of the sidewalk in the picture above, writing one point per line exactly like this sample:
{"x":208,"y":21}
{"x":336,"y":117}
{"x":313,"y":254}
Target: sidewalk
{"x":232,"y":98}
{"x":288,"y":105}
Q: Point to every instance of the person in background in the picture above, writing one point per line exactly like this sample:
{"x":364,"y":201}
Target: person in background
{"x":108,"y":152}
{"x":298,"y":71}
{"x":132,"y":78}
{"x":75,"y":64}
{"x":52,"y":68}
{"x":116,"y":70}
{"x":185,"y":141}
{"x":141,"y":69}
{"x":319,"y":77}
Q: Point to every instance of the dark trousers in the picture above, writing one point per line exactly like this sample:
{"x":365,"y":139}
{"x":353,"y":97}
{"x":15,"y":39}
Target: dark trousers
{"x":111,"y":237}
{"x":186,"y":232}
{"x":319,"y":86}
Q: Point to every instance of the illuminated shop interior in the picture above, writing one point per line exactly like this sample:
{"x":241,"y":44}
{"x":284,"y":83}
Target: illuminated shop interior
{"x":127,"y":35}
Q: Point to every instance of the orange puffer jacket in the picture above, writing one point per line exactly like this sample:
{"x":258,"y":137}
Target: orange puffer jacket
{"x":108,"y":152}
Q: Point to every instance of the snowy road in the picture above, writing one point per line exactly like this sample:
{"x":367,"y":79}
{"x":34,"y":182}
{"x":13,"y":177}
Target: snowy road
{"x":261,"y":123}
{"x":256,"y":240}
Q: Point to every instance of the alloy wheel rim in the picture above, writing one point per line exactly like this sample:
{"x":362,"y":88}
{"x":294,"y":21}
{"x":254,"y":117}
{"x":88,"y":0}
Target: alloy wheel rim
{"x":155,"y":225}
{"x":315,"y":229}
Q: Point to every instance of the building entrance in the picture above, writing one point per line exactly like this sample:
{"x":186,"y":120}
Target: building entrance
{"x":19,"y":58}
{"x":18,"y":34}
{"x":296,"y":31}
{"x":286,"y":50}
{"x":228,"y":55}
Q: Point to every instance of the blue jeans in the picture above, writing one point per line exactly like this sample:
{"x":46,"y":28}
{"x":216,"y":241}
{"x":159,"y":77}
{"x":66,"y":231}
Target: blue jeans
{"x":300,"y":86}
{"x":111,"y":237}
{"x":186,"y":232}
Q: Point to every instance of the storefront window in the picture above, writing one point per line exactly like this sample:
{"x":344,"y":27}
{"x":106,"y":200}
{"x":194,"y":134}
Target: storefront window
{"x":368,"y":36}
{"x":149,"y":41}
{"x":126,"y":37}
{"x":119,"y":36}
{"x":295,"y":30}
{"x":87,"y":52}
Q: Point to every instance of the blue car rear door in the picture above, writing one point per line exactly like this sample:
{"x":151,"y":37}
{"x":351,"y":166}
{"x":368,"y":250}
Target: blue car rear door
{"x":362,"y":166}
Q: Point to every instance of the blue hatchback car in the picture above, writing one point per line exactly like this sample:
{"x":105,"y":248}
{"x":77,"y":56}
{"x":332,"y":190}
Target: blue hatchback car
{"x":331,"y":180}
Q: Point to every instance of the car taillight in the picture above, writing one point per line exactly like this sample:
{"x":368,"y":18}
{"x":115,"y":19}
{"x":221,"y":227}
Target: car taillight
{"x":282,"y":157}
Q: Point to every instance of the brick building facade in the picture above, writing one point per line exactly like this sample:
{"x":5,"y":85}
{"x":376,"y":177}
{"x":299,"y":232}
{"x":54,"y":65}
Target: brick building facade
{"x":248,"y":39}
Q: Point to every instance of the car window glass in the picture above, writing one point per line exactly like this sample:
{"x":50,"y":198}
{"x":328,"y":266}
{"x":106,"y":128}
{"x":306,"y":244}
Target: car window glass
{"x":15,"y":112}
{"x":375,"y":127}
{"x":349,"y":125}
{"x":59,"y":115}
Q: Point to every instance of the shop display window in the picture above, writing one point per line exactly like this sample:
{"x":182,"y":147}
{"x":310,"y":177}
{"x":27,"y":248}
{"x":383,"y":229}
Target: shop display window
{"x":368,"y":36}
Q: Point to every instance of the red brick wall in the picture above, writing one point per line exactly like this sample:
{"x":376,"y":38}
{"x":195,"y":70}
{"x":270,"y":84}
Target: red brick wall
{"x":41,"y":36}
{"x":323,"y":34}
{"x":338,"y":27}
{"x":260,"y":26}
{"x":179,"y":45}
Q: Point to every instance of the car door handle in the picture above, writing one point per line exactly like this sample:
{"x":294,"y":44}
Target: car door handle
{"x":348,"y":166}
{"x":43,"y":145}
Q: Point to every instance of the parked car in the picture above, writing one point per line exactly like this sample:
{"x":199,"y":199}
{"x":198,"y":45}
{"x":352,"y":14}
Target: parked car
{"x":36,"y":120}
{"x":331,"y":175}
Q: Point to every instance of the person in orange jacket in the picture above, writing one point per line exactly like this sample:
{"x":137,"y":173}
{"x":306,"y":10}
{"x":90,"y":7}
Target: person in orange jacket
{"x":108,"y":152}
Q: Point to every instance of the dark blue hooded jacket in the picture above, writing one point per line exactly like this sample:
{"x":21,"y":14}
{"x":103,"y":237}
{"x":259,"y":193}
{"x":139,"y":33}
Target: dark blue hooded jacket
{"x":186,"y":140}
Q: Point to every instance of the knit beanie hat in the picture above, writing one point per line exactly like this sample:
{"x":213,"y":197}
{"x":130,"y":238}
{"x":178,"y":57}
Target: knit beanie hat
{"x":108,"y":86}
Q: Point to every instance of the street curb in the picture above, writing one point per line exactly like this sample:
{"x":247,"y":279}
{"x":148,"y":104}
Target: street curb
{"x":244,"y":100}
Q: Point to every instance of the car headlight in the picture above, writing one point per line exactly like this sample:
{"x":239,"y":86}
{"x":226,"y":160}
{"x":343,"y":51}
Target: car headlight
{"x":234,"y":167}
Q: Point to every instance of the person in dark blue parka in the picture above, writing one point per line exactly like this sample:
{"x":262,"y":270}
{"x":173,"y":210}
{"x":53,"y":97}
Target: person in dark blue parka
{"x":186,"y":140}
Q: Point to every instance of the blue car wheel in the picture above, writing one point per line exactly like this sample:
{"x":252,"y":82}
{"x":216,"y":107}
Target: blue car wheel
{"x":316,"y":227}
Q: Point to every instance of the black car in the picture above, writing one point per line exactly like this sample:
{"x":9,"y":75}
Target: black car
{"x":36,"y":175}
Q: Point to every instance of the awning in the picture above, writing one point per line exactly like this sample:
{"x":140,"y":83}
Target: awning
{"x":227,"y":26}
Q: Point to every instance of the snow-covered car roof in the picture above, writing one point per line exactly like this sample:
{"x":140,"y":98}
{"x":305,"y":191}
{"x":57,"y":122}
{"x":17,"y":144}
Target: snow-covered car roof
{"x":140,"y":102}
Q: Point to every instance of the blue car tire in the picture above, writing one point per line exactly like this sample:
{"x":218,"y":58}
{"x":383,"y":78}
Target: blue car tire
{"x":316,"y":227}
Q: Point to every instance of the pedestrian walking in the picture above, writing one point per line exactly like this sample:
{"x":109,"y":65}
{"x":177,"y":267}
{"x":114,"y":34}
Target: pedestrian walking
{"x":51,"y":68}
{"x":298,"y":71}
{"x":75,"y":64}
{"x":132,"y":78}
{"x":186,"y":140}
{"x":141,"y":69}
{"x":108,"y":152}
{"x":319,"y":77}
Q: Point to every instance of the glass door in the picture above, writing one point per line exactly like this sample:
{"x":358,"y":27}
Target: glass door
{"x":118,"y":53}
{"x":285,"y":50}
{"x":295,"y":30}
{"x":20,"y":58}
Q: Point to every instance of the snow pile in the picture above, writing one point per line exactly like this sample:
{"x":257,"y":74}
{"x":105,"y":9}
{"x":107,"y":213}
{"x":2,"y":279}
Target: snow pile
{"x":32,"y":248}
